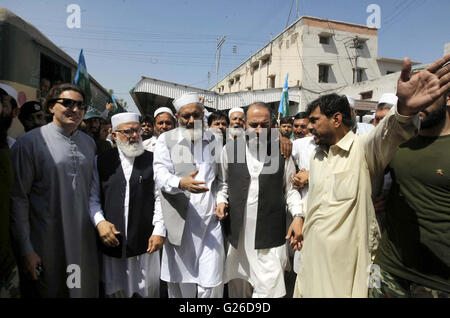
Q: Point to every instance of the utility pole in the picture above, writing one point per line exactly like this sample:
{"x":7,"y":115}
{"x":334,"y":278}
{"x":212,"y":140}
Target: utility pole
{"x":296,"y":10}
{"x":357,"y":44}
{"x":218,"y":51}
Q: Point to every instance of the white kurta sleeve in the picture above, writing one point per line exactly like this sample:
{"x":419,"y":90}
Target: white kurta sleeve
{"x":95,"y":205}
{"x":293,"y":197}
{"x":158,"y":221}
{"x":164,"y":172}
{"x":222,"y":193}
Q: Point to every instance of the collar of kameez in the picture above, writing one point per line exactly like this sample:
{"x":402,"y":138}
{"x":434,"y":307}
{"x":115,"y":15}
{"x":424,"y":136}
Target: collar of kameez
{"x":206,"y":135}
{"x":346,"y":142}
{"x":61,"y":131}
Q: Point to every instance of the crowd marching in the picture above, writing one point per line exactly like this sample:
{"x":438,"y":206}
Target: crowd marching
{"x":193,"y":204}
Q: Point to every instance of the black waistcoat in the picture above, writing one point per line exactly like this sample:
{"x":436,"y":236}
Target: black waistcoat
{"x":141,"y":200}
{"x":271,"y":215}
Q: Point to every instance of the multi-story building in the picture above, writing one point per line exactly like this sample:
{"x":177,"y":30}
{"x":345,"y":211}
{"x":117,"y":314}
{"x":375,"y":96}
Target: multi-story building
{"x":320,"y":55}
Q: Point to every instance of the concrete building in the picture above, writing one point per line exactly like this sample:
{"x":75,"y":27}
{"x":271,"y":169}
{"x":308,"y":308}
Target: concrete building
{"x":320,"y":56}
{"x":447,"y":48}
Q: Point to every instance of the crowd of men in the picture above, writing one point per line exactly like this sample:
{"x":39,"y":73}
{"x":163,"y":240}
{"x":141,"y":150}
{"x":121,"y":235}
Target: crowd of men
{"x":213,"y":205}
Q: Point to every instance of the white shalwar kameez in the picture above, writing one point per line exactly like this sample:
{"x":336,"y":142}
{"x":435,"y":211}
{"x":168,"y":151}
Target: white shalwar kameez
{"x":199,"y":260}
{"x":262,"y":268}
{"x":126,"y":276}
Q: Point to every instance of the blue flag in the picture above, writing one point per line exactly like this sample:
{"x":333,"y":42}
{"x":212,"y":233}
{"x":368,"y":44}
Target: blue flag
{"x":82,"y":79}
{"x":283,"y":109}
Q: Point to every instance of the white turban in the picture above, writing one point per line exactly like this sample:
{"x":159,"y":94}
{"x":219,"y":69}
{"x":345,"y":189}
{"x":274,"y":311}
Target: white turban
{"x":121,"y":118}
{"x":186,"y":99}
{"x":233,"y":110}
{"x":351,"y":101}
{"x":388,"y":98}
{"x":10,"y":91}
{"x":163,"y":110}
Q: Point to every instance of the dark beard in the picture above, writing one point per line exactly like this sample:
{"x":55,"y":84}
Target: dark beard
{"x":5,"y":123}
{"x":434,"y":117}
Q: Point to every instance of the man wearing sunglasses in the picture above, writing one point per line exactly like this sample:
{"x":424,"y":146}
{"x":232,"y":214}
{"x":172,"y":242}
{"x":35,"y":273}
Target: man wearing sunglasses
{"x":53,"y":237}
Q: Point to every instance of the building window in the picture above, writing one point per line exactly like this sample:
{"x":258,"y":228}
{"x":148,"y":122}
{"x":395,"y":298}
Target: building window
{"x":359,"y":76}
{"x":366,"y":95}
{"x":324,"y":70}
{"x":237,"y":79}
{"x":272,"y":81}
{"x":389,"y":72}
{"x":265,"y":61}
{"x":255,"y":67}
{"x":324,"y":39}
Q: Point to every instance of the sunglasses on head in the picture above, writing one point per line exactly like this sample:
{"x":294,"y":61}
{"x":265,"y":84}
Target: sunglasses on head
{"x":70,"y":103}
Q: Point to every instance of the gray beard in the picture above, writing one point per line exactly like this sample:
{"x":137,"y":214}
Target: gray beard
{"x":131,"y":150}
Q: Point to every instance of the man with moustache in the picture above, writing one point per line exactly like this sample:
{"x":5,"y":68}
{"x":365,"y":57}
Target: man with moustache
{"x":164,"y":121}
{"x":147,"y":127}
{"x":186,"y":174}
{"x":218,"y":124}
{"x":128,"y":220}
{"x":237,"y":122}
{"x":286,"y":127}
{"x":255,"y":194}
{"x":340,"y":230}
{"x":413,"y":259}
{"x":300,"y":126}
{"x":52,"y":234}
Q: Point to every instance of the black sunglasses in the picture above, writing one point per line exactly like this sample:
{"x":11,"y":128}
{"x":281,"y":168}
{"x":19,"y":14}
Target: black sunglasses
{"x":70,"y":103}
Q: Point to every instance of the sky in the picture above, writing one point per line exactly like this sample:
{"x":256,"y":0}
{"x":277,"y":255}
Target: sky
{"x":175,"y":40}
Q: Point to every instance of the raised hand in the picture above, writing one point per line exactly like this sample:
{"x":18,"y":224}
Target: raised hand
{"x":417,"y":92}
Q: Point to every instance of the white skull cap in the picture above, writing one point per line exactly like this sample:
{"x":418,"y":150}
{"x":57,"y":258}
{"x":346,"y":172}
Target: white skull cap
{"x":121,"y":118}
{"x":186,"y":99}
{"x":163,"y":110}
{"x":351,"y":101}
{"x":233,"y":110}
{"x":388,"y":98}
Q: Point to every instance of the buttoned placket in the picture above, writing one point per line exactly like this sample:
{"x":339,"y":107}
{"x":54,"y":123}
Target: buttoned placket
{"x":75,"y":159}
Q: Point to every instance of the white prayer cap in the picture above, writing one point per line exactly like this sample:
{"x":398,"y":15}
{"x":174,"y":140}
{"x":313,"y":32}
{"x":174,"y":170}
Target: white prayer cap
{"x":388,"y":98}
{"x":233,"y":110}
{"x":121,"y":118}
{"x":186,"y":99}
{"x":10,"y":91}
{"x":351,"y":101}
{"x":163,"y":110}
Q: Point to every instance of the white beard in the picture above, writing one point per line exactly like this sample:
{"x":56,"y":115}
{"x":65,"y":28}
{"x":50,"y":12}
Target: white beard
{"x":236,"y":132}
{"x":191,"y":134}
{"x":131,"y":150}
